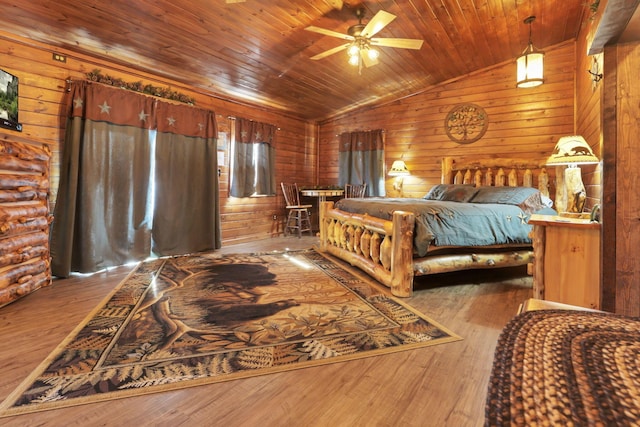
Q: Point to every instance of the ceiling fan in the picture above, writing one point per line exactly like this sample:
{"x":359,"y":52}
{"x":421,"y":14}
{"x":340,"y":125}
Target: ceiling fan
{"x":361,"y":41}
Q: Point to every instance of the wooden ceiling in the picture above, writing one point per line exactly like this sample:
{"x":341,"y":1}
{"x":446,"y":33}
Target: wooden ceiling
{"x":258,"y":51}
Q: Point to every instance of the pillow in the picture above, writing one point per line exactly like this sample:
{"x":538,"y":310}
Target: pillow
{"x":451,"y":192}
{"x":526,"y":198}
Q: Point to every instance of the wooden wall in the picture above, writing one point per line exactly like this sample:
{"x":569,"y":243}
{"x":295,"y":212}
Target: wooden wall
{"x":523,"y":123}
{"x":588,"y":110}
{"x":607,"y":116}
{"x":621,"y":179}
{"x":41,"y":110}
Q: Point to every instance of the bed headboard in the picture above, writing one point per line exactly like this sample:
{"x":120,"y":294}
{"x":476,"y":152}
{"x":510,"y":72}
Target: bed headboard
{"x":496,"y":172}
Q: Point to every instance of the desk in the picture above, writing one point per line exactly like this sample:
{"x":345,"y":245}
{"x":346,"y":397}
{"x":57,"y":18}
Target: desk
{"x":322,"y":195}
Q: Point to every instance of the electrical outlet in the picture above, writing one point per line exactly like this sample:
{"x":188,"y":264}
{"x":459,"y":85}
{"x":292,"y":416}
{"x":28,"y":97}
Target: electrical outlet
{"x":59,"y":58}
{"x":275,"y":217}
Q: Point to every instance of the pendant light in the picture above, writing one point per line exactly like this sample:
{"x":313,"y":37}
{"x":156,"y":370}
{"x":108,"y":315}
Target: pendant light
{"x":530,"y":63}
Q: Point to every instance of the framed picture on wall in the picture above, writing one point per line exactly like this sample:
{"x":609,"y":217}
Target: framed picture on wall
{"x":9,"y":101}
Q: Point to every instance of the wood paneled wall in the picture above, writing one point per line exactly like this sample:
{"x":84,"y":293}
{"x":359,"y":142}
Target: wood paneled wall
{"x":621,"y":179}
{"x":589,"y":111}
{"x":523,"y":123}
{"x":41,"y":109}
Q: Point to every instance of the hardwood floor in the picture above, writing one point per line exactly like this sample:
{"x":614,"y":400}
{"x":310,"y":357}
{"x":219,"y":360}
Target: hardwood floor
{"x":443,"y":385}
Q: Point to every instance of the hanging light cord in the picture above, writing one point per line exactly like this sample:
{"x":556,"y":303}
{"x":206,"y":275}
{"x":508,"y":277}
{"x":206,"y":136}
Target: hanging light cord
{"x":529,"y":20}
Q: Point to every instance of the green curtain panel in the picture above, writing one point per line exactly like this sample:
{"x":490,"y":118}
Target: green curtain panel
{"x":361,"y":160}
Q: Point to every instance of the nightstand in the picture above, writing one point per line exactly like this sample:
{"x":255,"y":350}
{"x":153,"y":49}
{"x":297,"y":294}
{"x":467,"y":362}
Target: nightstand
{"x":566,"y":268}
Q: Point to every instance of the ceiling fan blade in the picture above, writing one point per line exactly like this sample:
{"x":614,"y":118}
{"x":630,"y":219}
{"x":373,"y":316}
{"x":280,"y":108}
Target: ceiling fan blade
{"x":401,"y":43}
{"x":234,"y":1}
{"x":377,"y":23}
{"x":330,"y":51}
{"x":368,"y":62}
{"x":336,"y":4}
{"x":329,"y":33}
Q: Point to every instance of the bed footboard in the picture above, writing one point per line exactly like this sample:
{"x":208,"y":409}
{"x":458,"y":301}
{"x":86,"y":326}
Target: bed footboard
{"x":383,"y":249}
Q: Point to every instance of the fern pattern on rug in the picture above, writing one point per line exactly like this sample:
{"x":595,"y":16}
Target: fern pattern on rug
{"x":184,"y":321}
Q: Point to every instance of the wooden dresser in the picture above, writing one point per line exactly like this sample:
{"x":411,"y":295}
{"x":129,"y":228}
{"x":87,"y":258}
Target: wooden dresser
{"x":567,"y":260}
{"x":24,"y":217}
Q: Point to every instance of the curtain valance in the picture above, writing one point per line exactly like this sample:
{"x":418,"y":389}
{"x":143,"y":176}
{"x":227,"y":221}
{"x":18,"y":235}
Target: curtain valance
{"x":122,"y":107}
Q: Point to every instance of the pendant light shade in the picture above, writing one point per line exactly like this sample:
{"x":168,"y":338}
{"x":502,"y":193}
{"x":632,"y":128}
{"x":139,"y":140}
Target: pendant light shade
{"x":530,"y":65}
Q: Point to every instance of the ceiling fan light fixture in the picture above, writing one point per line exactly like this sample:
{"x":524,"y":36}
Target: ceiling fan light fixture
{"x":360,"y":40}
{"x":354,"y":50}
{"x":530,"y":65}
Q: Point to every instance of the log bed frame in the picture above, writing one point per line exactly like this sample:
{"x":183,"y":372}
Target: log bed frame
{"x":384,"y":248}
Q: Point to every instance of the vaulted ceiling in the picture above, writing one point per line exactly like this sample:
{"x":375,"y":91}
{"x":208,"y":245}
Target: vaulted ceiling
{"x":258,"y":51}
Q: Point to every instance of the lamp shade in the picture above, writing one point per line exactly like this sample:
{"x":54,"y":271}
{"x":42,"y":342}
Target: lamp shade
{"x":530,"y":65}
{"x":398,"y":168}
{"x":572,"y":150}
{"x":530,"y":68}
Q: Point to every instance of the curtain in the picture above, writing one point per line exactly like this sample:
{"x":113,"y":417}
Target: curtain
{"x":186,"y":182}
{"x":105,"y":207}
{"x":253,"y":171}
{"x":361,"y":160}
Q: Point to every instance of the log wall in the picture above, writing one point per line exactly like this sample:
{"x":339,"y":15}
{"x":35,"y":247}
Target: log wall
{"x":24,"y":217}
{"x":41,"y":110}
{"x":523,"y":123}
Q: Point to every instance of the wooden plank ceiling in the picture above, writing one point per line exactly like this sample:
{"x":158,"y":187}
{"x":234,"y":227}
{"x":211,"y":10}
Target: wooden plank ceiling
{"x":258,"y":50}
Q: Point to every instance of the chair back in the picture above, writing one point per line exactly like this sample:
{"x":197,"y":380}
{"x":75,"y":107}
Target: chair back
{"x":355,"y":190}
{"x":291,"y":194}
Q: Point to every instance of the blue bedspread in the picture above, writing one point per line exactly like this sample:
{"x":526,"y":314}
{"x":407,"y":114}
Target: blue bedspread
{"x":443,"y":223}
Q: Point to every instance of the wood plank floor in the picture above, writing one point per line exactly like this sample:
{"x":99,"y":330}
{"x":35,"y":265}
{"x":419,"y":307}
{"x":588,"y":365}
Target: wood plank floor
{"x":443,"y":385}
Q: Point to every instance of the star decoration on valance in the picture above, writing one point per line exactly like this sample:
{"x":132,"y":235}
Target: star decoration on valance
{"x":105,"y":108}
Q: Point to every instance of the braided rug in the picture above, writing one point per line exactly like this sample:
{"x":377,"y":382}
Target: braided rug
{"x":566,"y":368}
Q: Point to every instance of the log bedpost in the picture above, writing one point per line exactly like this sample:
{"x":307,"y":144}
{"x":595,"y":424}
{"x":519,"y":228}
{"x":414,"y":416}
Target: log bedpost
{"x":447,"y":171}
{"x":324,"y":234}
{"x":402,"y":254}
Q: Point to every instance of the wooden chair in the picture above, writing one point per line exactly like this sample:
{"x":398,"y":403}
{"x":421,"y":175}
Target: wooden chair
{"x":355,"y":190}
{"x":298,"y":217}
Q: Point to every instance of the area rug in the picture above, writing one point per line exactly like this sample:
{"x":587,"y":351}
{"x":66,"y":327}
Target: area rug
{"x":186,"y":321}
{"x":566,"y":368}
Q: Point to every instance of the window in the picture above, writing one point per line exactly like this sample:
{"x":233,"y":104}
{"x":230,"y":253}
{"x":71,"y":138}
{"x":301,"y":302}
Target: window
{"x":252,"y":159}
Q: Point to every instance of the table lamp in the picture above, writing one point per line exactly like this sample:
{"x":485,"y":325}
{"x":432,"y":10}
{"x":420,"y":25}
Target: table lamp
{"x":571,"y":151}
{"x":399,"y":170}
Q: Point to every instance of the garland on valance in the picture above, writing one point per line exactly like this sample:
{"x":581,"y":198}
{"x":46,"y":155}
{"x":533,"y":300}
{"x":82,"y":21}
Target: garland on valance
{"x":162,"y":92}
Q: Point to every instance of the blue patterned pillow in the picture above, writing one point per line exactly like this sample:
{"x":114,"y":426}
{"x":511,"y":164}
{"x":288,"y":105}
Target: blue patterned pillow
{"x":451,"y":192}
{"x":526,"y":198}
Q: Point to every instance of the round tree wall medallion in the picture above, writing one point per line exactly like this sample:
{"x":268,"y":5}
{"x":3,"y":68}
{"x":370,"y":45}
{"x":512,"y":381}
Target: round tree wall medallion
{"x":466,"y":123}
